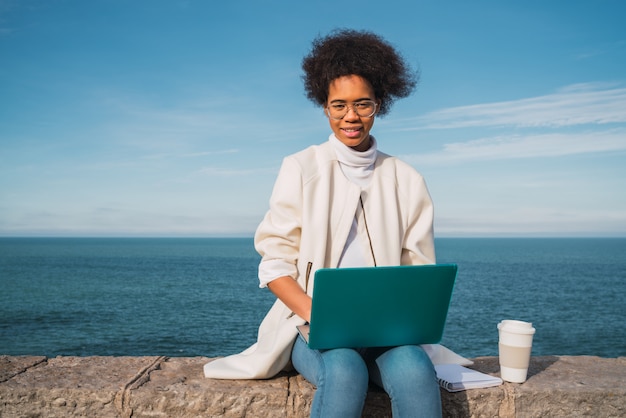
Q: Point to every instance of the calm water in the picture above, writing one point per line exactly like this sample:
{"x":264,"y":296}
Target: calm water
{"x":188,"y":297}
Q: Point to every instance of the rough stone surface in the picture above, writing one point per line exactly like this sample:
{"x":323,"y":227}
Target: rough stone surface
{"x":564,"y":386}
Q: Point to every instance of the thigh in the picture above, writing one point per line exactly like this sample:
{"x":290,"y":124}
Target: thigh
{"x":318,"y":366}
{"x":306,"y":361}
{"x":409,"y":378}
{"x":395,"y":365}
{"x":340,"y":377}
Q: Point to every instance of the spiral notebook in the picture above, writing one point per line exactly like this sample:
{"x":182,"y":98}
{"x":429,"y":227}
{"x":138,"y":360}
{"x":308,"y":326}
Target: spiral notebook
{"x":379,"y":306}
{"x":455,"y":378}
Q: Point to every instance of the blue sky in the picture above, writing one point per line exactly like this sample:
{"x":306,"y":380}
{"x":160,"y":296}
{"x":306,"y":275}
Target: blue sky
{"x":171,"y":118}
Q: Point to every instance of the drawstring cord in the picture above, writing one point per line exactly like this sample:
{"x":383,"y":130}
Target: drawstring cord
{"x":369,"y":238}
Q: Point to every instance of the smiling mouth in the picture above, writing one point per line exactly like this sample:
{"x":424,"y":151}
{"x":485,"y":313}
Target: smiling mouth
{"x":351,"y":131}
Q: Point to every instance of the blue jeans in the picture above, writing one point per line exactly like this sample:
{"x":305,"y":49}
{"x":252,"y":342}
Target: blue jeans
{"x":342,"y":376}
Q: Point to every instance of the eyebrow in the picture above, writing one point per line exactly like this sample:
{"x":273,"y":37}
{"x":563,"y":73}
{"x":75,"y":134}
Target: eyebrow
{"x":345,"y":101}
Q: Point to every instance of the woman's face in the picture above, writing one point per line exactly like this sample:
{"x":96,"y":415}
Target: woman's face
{"x":352,"y":130}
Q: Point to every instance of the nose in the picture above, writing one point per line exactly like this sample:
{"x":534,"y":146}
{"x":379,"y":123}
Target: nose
{"x":351,"y":115}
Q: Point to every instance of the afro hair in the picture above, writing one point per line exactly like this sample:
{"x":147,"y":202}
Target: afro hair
{"x":350,"y":52}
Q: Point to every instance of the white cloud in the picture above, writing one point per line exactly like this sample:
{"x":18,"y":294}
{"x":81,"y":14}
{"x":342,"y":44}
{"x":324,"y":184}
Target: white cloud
{"x":205,"y":153}
{"x":528,"y":146}
{"x":126,"y":223}
{"x":189,"y":155}
{"x":231,"y":172}
{"x":579,"y":104}
{"x":602,"y":49}
{"x":537,"y":221}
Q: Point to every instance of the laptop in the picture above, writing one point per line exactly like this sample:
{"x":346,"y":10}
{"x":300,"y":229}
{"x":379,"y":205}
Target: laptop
{"x":379,"y":306}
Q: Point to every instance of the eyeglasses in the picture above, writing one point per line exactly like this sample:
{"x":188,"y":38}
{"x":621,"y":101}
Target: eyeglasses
{"x":364,"y":108}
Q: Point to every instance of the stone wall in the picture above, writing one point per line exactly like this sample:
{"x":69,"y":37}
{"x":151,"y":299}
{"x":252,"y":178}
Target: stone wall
{"x":558,"y":386}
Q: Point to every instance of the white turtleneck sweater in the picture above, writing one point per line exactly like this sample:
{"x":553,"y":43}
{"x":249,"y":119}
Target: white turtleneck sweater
{"x":358,"y":168}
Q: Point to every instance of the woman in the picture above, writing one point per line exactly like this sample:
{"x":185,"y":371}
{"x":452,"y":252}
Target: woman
{"x":343,"y":204}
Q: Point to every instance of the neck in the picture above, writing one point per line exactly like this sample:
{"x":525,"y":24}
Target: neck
{"x":363,"y":146}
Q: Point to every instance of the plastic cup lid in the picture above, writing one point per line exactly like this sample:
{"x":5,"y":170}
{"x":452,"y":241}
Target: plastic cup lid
{"x":517,"y":326}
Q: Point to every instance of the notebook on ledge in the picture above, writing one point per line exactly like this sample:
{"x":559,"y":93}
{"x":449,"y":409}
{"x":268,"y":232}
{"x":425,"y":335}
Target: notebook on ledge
{"x":379,"y":306}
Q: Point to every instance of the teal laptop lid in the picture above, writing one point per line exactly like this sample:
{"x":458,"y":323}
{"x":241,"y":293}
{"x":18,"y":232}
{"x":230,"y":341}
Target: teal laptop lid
{"x":379,"y":306}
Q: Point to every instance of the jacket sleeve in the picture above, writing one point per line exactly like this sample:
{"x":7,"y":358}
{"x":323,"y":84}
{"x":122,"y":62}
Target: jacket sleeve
{"x":277,"y":239}
{"x":419,"y":246}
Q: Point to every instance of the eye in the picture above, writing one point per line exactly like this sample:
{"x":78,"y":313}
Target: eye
{"x":364,"y":105}
{"x":338,"y":106}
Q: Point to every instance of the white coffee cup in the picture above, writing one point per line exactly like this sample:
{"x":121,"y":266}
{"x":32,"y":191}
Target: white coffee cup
{"x":516,"y":340}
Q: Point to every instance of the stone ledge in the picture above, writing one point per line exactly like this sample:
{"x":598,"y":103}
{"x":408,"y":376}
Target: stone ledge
{"x":558,"y":386}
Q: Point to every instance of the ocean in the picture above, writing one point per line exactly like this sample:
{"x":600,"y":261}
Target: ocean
{"x":200,"y":296}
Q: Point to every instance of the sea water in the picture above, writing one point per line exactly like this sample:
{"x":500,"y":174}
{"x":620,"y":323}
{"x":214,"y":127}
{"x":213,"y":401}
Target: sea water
{"x":200,"y":297}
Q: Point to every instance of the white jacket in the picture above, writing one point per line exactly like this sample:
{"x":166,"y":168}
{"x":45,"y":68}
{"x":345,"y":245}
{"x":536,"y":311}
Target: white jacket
{"x":311,"y":211}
